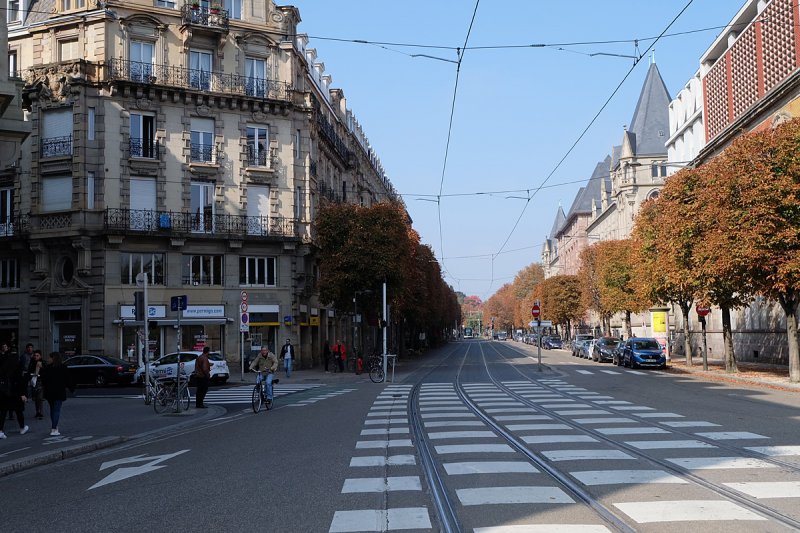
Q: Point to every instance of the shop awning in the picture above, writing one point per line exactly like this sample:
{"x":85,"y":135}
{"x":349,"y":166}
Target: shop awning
{"x":174,"y":321}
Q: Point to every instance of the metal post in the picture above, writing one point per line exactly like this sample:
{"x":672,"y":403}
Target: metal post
{"x":705,"y":346}
{"x":178,"y":362}
{"x":539,"y":341}
{"x":241,"y":351}
{"x":355,"y":329}
{"x":142,"y":277}
{"x":385,"y":319}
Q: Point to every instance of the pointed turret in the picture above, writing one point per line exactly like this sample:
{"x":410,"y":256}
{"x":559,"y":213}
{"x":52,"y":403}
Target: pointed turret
{"x":650,"y":123}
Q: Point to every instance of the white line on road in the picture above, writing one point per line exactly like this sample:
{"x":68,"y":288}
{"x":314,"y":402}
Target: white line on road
{"x":625,"y":477}
{"x":549,"y":439}
{"x":505,"y":495}
{"x":384,"y":431}
{"x":391,"y":443}
{"x":667,"y":444}
{"x":775,"y":451}
{"x":379,"y":484}
{"x":768,"y":489}
{"x":489,"y":467}
{"x":382,"y":460}
{"x":647,"y":430}
{"x":585,"y":455}
{"x":544,"y":528}
{"x":474,"y":448}
{"x":462,"y":435}
{"x":689,"y":424}
{"x":604,"y":420}
{"x":730,"y":435}
{"x":537,"y":427}
{"x":380,"y":520}
{"x":720,"y":463}
{"x":685,"y":511}
{"x":520,"y":418}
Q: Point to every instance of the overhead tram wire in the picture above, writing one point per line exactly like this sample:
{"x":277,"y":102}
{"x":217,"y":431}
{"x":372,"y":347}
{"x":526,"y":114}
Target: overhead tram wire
{"x":591,"y":122}
{"x":460,"y":53}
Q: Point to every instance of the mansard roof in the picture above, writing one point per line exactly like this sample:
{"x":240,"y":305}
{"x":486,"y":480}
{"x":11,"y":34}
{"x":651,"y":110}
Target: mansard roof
{"x":558,"y":222}
{"x":650,"y":122}
{"x":582,"y":205}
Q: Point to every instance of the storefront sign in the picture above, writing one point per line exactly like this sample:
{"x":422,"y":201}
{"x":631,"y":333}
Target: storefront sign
{"x":315,"y":321}
{"x":127,"y":312}
{"x":204,"y":311}
{"x":659,"y":321}
{"x":287,"y":320}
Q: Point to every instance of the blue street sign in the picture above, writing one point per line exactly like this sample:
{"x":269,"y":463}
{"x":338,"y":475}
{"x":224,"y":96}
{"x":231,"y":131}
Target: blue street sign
{"x":178,"y":302}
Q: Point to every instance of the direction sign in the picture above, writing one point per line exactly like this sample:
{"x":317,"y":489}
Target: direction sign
{"x":540,"y":323}
{"x":179,"y":302}
{"x":703,"y":311}
{"x":535,"y":311}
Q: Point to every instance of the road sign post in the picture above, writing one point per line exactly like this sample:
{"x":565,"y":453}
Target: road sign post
{"x":244,"y":327}
{"x":179,"y":304}
{"x":702,"y":312}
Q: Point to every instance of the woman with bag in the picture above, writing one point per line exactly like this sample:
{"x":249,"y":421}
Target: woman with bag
{"x":55,"y":381}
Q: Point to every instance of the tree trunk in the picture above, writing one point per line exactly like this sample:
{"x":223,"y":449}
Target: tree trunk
{"x":789,"y":305}
{"x":569,"y":330}
{"x":628,"y":329}
{"x":687,"y":346}
{"x":727,"y":339}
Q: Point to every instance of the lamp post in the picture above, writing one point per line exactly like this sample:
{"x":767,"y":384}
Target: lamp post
{"x":357,"y":344}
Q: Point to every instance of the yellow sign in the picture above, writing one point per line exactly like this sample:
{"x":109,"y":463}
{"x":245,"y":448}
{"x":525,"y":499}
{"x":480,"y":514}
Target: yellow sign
{"x":659,"y":321}
{"x":315,"y":321}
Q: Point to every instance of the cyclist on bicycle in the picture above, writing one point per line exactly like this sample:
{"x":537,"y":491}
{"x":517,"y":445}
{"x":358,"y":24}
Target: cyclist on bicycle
{"x":266,"y":361}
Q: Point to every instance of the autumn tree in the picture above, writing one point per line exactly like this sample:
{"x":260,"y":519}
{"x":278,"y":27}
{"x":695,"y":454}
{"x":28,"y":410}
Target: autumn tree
{"x":524,"y":292}
{"x":561,"y":300}
{"x":615,"y":284}
{"x":589,"y":279}
{"x":662,"y":249}
{"x":500,"y":307}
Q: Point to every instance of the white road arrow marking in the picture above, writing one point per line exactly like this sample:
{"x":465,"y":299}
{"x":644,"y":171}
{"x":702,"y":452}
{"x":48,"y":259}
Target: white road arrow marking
{"x":152,"y":463}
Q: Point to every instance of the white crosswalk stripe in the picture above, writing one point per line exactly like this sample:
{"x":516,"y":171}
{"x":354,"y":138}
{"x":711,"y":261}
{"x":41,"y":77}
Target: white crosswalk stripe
{"x":244,"y":394}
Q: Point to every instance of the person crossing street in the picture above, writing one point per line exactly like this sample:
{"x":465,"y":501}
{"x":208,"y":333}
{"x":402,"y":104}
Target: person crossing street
{"x":266,"y":362}
{"x":287,"y":354}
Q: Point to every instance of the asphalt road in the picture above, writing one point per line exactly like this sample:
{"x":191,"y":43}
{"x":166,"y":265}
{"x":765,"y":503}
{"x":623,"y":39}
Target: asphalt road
{"x":472,"y":437}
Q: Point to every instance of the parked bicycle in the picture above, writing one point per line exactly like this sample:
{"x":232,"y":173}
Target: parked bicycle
{"x":260,"y":393}
{"x":150,"y":388}
{"x":169,"y":392}
{"x":376,"y":373}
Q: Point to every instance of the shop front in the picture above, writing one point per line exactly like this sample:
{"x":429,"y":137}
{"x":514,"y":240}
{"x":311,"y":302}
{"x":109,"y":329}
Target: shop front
{"x":264,"y":329}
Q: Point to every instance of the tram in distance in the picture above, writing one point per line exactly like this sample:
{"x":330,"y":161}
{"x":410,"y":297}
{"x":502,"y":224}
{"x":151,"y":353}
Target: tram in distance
{"x":467,"y":333}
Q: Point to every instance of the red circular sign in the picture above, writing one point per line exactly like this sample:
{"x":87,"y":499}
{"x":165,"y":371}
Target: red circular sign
{"x":703,"y":311}
{"x":535,"y":311}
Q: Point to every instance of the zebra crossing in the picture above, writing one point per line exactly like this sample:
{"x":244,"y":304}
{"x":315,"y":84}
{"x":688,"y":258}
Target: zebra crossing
{"x":384,"y":462}
{"x":318,"y":398}
{"x":244,"y":393}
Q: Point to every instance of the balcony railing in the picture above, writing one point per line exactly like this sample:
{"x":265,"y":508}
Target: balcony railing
{"x":175,"y":223}
{"x":172,"y":76}
{"x":11,"y":226}
{"x":56,"y":146}
{"x":145,"y":148}
{"x":261,"y":157}
{"x":205,"y":153}
{"x":197,"y":15}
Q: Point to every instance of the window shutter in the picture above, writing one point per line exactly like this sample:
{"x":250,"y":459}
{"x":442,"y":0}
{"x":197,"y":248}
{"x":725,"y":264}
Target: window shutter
{"x":57,"y":123}
{"x":57,"y":193}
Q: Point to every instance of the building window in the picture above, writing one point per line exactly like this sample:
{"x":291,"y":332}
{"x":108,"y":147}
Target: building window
{"x":142,"y":59}
{"x":6,"y":211}
{"x":200,"y":69}
{"x":234,"y":8}
{"x":68,"y":49}
{"x":255,"y":71}
{"x":56,"y":133}
{"x":257,"y":146}
{"x":90,"y":124}
{"x":133,"y":264}
{"x":344,"y":191}
{"x":13,"y":11}
{"x":202,"y":137}
{"x":13,"y":66}
{"x":9,"y":274}
{"x":165,"y":3}
{"x":297,"y":144}
{"x":202,"y":270}
{"x":90,"y":190}
{"x":143,"y":136}
{"x":56,"y":193}
{"x":67,"y":5}
{"x":202,"y":206}
{"x":300,"y":203}
{"x":257,"y":271}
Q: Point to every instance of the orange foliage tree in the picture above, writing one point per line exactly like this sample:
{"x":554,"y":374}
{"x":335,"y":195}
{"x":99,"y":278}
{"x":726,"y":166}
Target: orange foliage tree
{"x":561,"y":300}
{"x":615,"y":281}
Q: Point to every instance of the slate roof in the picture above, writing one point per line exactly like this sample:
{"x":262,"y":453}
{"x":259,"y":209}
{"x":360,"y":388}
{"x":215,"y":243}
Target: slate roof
{"x":558,"y":222}
{"x":40,"y":11}
{"x":651,"y":116}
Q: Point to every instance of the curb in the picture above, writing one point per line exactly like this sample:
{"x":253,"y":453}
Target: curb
{"x":11,"y":467}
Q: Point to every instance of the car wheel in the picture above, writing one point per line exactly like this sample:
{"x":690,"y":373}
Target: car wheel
{"x":101,"y":380}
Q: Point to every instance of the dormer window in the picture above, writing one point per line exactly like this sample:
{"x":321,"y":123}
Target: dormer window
{"x":13,"y":11}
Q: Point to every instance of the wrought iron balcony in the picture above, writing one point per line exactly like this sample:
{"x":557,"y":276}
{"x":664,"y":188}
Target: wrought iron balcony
{"x":197,"y":15}
{"x":258,"y":156}
{"x":56,"y":146}
{"x":205,"y":153}
{"x":176,"y":223}
{"x":198,"y":79}
{"x":145,"y":148}
{"x":14,"y":225}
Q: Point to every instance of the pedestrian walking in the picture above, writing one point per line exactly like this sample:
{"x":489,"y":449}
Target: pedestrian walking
{"x":202,"y":376}
{"x":55,"y":381}
{"x":12,"y":390}
{"x":35,"y":389}
{"x":341,"y":352}
{"x":326,"y":354}
{"x":287,"y":354}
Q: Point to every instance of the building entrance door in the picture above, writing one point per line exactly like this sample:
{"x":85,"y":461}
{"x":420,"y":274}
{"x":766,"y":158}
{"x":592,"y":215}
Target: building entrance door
{"x":67,"y":332}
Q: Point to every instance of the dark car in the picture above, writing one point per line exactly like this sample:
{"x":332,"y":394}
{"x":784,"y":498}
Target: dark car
{"x":552,"y":342}
{"x":502,"y":335}
{"x":642,"y":351}
{"x":99,"y":370}
{"x":604,"y":349}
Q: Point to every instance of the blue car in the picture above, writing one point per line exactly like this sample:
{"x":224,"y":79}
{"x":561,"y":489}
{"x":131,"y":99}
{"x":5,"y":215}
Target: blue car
{"x":642,"y":352}
{"x":552,"y":342}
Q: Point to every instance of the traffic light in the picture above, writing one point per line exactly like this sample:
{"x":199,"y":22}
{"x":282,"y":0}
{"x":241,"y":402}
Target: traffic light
{"x":138,"y":304}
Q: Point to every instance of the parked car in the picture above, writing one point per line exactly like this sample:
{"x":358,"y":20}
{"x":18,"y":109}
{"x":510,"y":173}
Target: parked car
{"x":642,"y":351}
{"x":604,"y":349}
{"x":587,"y":348}
{"x":552,"y":342}
{"x":165,"y":366}
{"x":99,"y":370}
{"x":577,"y":344}
{"x":502,"y":335}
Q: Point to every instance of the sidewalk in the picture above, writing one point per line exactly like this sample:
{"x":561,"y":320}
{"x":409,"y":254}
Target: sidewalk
{"x":752,"y":374}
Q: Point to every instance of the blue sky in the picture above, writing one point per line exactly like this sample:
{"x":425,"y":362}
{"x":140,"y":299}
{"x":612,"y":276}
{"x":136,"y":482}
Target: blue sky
{"x":517,"y":111}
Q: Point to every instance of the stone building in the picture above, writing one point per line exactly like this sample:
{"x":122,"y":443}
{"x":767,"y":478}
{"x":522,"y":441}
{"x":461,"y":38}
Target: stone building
{"x":190,"y":142}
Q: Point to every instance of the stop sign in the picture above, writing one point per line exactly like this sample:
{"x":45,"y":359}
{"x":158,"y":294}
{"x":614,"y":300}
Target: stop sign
{"x":703,"y":311}
{"x":535,"y":311}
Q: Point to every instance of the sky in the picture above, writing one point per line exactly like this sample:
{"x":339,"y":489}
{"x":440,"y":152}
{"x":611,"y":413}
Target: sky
{"x":517,"y":111}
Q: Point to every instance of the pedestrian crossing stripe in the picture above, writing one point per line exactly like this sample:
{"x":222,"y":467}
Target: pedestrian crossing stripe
{"x":244,"y":393}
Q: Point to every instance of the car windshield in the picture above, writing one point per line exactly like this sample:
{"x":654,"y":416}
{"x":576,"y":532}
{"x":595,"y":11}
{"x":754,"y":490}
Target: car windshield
{"x":646,"y":345}
{"x":115,"y":361}
{"x":583,"y":337}
{"x":215,"y":356}
{"x":611,"y":343}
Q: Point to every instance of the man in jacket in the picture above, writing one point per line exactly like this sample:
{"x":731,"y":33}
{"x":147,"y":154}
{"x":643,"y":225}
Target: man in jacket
{"x":13,"y":389}
{"x":266,"y":362}
{"x":287,"y":354}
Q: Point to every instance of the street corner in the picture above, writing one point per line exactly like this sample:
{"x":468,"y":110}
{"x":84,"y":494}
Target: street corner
{"x":30,"y":453}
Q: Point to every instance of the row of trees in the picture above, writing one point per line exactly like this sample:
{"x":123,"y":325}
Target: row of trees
{"x":361,"y":247}
{"x":718,"y":234}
